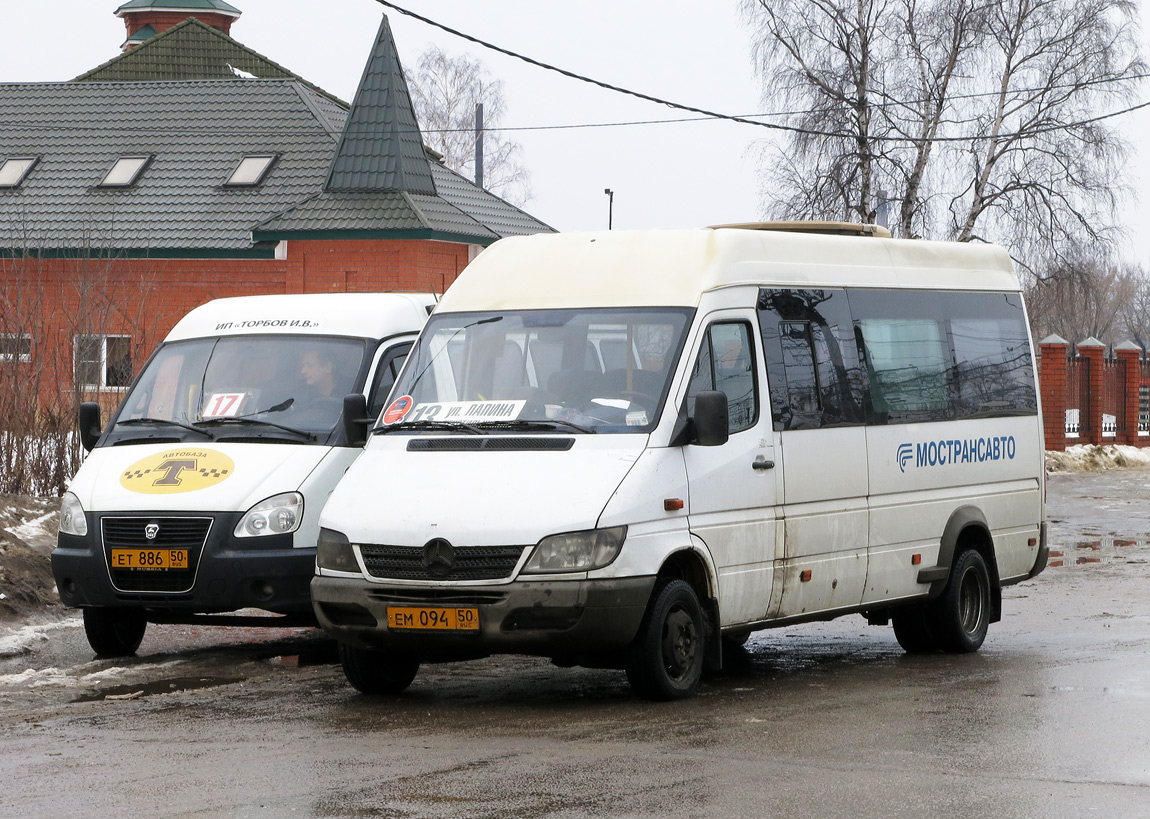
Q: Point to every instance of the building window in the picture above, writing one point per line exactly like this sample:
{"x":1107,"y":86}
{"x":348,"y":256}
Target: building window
{"x":251,"y":171}
{"x":125,"y":172}
{"x":15,"y":347}
{"x":15,"y":170}
{"x":103,"y":361}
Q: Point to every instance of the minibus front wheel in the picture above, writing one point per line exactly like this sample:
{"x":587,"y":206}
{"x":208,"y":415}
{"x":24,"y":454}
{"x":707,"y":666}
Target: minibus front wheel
{"x":666,"y":659}
{"x":377,"y":672}
{"x":114,"y":632}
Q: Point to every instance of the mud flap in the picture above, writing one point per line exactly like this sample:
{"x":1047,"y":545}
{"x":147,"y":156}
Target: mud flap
{"x":714,"y":658}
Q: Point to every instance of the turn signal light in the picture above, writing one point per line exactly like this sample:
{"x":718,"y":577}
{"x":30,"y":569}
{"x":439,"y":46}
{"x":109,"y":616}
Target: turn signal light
{"x":1032,"y":542}
{"x":915,"y":560}
{"x":805,"y":576}
{"x":672,"y":504}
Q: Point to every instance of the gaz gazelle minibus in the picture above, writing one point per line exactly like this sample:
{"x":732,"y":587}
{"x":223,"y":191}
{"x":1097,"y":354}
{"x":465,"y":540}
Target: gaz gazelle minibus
{"x":202,"y":495}
{"x":629,"y":449}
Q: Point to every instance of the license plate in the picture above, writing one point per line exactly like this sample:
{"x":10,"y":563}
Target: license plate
{"x":433,"y":619}
{"x":150,"y":559}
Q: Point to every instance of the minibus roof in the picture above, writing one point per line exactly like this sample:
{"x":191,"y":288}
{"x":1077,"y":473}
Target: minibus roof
{"x":355,"y":315}
{"x":667,"y":268}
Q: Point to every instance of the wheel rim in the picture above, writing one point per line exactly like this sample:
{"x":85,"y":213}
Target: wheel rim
{"x":971,"y":602}
{"x":680,"y":643}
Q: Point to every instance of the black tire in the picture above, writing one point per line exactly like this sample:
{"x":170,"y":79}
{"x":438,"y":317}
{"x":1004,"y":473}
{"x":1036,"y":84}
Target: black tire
{"x":666,"y":659}
{"x":960,"y":616}
{"x":377,"y":672}
{"x":912,"y":630}
{"x":114,"y":632}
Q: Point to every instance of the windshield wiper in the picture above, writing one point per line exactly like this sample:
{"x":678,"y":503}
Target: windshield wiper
{"x":437,"y":426}
{"x":257,"y":422}
{"x":549,"y":424}
{"x":166,"y":422}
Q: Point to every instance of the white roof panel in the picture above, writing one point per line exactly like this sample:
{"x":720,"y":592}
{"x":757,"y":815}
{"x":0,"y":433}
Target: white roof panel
{"x":356,"y":315}
{"x":675,"y":267}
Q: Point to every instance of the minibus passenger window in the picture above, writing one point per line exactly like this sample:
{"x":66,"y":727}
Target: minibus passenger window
{"x":812,"y":358}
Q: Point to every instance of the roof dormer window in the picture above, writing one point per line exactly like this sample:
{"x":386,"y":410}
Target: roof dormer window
{"x":251,"y":171}
{"x":125,"y":172}
{"x":15,"y":169}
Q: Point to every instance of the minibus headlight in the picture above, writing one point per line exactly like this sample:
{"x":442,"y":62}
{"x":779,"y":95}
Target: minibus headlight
{"x":278,"y":515}
{"x":576,"y":551}
{"x":334,"y":552}
{"x":72,"y":521}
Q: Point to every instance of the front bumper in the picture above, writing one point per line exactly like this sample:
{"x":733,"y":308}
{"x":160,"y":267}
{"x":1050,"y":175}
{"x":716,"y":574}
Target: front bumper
{"x":225,"y":573}
{"x":554,"y":618}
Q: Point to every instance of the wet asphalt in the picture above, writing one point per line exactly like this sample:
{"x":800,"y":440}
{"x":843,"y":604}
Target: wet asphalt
{"x":1050,"y":719}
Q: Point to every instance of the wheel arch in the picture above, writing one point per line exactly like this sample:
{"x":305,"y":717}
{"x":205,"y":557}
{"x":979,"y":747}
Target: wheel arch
{"x":967,"y":529}
{"x":692,"y":565}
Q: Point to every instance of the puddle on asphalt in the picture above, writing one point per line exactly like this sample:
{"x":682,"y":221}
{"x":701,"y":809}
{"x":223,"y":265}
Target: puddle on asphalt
{"x":171,"y":685}
{"x":1089,"y":548}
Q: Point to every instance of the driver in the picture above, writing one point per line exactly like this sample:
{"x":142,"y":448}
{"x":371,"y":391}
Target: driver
{"x":318,"y":371}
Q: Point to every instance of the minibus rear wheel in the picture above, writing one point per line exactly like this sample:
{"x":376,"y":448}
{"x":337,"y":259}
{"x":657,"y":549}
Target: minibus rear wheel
{"x":912,"y":629}
{"x":960,"y":615}
{"x":377,"y":672}
{"x":666,"y":659}
{"x":114,"y":632}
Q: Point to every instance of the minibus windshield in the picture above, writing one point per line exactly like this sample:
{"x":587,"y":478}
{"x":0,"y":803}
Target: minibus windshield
{"x":249,"y":386}
{"x":585,"y":370}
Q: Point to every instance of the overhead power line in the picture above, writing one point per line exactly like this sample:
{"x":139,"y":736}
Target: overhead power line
{"x":741,"y":119}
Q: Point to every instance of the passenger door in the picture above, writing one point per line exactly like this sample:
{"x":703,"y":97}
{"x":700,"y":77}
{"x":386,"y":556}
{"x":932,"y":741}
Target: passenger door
{"x":733,"y":487}
{"x":816,"y":393}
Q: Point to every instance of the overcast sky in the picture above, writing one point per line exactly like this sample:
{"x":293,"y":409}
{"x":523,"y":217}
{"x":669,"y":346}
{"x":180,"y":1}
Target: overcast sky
{"x":697,"y":52}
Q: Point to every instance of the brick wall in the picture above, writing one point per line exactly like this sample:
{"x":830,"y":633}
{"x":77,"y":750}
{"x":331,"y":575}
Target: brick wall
{"x":164,"y":20}
{"x":56,"y":299}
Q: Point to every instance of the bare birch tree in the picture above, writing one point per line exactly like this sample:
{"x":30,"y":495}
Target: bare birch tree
{"x":986,"y":108}
{"x":445,"y":91}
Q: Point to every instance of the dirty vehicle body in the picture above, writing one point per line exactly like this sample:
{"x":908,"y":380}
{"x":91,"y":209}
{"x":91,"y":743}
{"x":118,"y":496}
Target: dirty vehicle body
{"x":202,"y":495}
{"x":626,"y":449}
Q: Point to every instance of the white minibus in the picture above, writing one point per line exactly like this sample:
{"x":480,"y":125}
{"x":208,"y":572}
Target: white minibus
{"x":202,"y":495}
{"x":627,"y":449}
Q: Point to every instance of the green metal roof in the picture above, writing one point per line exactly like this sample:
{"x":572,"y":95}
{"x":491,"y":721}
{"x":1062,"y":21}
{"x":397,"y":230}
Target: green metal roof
{"x":145,"y":33}
{"x":197,"y":133}
{"x":179,"y":5}
{"x":190,"y":50}
{"x":381,"y":148}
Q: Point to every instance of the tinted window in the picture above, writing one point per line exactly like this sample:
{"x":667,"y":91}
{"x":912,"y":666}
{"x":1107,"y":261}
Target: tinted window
{"x":894,"y":356}
{"x":812,"y":358}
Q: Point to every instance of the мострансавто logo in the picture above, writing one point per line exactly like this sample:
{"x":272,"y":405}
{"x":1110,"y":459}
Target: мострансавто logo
{"x":956,"y":451}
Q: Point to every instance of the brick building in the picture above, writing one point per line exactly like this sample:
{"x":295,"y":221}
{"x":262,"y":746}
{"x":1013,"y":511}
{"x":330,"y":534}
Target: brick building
{"x":191,"y":168}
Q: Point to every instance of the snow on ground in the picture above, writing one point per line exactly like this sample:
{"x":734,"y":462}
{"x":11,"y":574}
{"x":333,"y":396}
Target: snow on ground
{"x":1090,"y":458}
{"x":21,"y":640}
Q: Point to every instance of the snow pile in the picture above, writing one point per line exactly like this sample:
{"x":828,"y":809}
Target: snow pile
{"x":22,"y":639}
{"x":1090,"y":458}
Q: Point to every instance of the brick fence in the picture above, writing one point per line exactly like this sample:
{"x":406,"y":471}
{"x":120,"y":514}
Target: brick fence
{"x":1089,"y":397}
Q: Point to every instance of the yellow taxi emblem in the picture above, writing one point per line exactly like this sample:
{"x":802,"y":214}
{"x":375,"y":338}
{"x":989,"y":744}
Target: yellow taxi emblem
{"x":177,"y":470}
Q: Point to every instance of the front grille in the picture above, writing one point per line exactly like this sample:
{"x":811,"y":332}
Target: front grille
{"x":174,"y":533}
{"x":496,"y":443}
{"x":437,"y":597}
{"x":471,"y":562}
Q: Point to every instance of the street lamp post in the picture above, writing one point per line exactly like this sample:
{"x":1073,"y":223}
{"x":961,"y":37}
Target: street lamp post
{"x":610,"y":206}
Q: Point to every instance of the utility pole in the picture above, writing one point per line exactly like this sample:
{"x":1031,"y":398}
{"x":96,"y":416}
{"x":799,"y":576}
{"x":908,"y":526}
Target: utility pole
{"x":610,"y":206}
{"x":479,"y":145}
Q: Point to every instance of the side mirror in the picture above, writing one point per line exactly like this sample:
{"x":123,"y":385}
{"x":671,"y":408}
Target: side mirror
{"x":89,"y":424}
{"x":355,"y":419}
{"x":711,"y":419}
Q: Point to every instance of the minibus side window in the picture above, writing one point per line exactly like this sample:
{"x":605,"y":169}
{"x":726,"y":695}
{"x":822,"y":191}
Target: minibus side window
{"x":813,"y":369}
{"x":385,"y":375}
{"x":726,"y":363}
{"x":993,"y":367}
